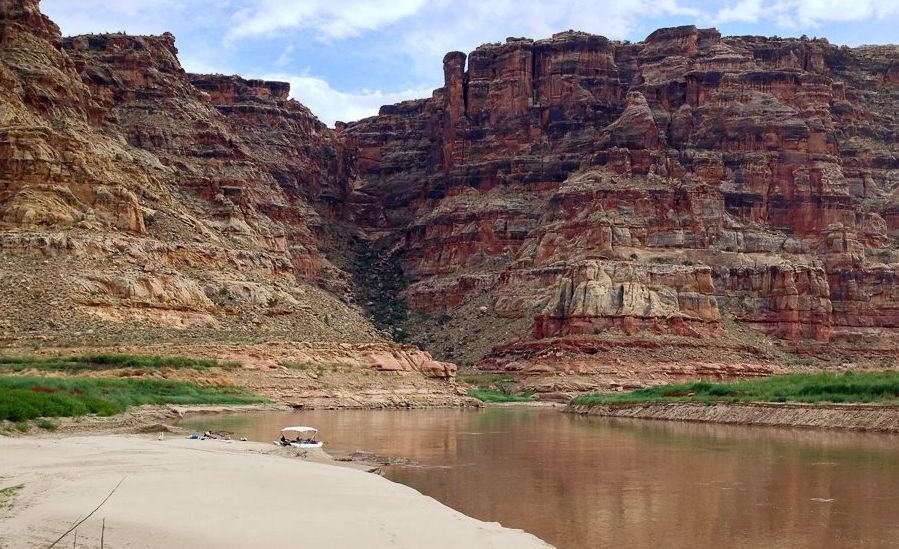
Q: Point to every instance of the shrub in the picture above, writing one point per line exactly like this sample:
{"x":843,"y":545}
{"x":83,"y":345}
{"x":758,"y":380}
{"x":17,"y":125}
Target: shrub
{"x":493,"y":396}
{"x":45,"y":424}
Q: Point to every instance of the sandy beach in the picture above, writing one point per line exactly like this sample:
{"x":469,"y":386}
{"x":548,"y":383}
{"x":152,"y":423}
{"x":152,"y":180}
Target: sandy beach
{"x":193,"y":493}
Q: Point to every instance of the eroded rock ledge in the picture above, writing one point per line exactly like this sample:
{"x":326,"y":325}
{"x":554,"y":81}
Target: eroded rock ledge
{"x":845,"y":417}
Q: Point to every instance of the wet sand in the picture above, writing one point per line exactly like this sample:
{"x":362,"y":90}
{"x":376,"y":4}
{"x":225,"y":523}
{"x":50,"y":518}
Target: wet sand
{"x":193,"y":493}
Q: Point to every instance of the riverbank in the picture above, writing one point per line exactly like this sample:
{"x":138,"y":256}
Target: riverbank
{"x":847,"y":417}
{"x":194,"y":493}
{"x":147,"y":418}
{"x":299,"y":374}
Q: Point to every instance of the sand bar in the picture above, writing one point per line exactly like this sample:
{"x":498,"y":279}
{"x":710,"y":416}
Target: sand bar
{"x":189,"y":493}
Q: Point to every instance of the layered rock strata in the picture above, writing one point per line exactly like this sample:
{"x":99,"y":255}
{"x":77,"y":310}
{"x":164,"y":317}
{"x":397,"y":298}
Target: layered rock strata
{"x":141,"y":205}
{"x":685,"y":186}
{"x":569,"y":205}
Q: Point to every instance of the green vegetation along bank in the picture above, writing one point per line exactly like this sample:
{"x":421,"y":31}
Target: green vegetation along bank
{"x":494,"y":396}
{"x":849,"y":387}
{"x":853,"y":401}
{"x":25,"y":398}
{"x":106,"y":361}
{"x":494,"y":388}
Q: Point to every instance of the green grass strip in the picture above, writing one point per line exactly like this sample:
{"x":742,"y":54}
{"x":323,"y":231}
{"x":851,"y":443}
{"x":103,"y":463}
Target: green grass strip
{"x":484,"y":380}
{"x":107,"y":361}
{"x":493,"y":396}
{"x":25,"y":398}
{"x":858,"y":387}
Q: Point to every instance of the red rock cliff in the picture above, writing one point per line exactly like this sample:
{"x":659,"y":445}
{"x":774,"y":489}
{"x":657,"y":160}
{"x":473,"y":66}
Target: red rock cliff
{"x":139,"y":203}
{"x":664,"y":187}
{"x":558,"y":198}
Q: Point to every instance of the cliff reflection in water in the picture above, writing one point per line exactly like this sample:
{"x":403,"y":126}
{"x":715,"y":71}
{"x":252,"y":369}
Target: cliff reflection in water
{"x":592,"y":482}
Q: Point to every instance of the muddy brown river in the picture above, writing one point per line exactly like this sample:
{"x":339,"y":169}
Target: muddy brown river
{"x":593,"y":482}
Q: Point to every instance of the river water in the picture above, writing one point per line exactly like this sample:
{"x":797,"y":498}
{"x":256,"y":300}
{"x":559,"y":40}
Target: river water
{"x":595,"y":482}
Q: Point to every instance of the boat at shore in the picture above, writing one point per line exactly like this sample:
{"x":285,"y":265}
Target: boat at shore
{"x":300,"y":437}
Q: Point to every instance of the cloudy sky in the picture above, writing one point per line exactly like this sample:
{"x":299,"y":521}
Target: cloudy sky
{"x":345,"y":58}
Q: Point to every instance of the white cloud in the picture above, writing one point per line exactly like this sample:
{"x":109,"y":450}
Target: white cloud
{"x":97,"y":16}
{"x":404,"y":40}
{"x":815,"y":12}
{"x":806,"y":13}
{"x":331,"y":105}
{"x":464,"y":24}
{"x":284,"y":58}
{"x":747,"y":11}
{"x":332,"y":19}
{"x":197,"y":65}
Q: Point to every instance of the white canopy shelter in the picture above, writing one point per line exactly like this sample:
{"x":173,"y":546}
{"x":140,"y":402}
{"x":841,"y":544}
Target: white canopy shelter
{"x":299,"y":429}
{"x":300,"y":437}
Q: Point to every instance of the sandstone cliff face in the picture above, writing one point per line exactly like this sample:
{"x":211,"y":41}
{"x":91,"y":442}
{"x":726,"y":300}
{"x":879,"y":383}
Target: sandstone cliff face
{"x":141,"y":205}
{"x":255,"y":158}
{"x":47,"y":112}
{"x":687,"y":185}
{"x":571,"y":204}
{"x":130,"y":198}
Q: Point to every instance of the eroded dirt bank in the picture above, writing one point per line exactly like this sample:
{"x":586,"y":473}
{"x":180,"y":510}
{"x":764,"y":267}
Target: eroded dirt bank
{"x":848,"y":417}
{"x":296,"y":374}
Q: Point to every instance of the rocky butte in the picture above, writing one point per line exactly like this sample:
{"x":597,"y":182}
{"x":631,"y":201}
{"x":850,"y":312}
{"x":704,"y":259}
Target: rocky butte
{"x":616,"y":212}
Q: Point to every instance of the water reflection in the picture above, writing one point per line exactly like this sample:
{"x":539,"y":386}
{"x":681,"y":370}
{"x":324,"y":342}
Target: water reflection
{"x":592,"y":482}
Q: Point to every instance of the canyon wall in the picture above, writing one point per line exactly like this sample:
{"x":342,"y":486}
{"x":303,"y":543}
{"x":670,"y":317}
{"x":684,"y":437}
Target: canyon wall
{"x":135,"y":193}
{"x":145,"y":209}
{"x":690,"y":185}
{"x":690,"y":203}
